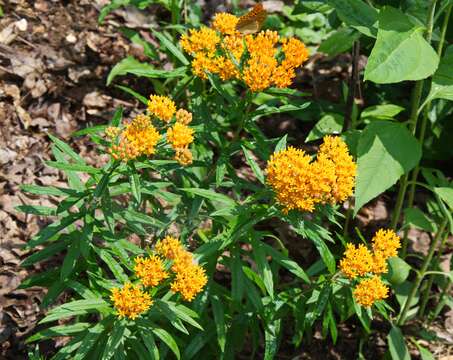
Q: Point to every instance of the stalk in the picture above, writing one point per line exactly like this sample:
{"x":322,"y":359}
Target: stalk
{"x":427,"y":291}
{"x":402,"y":317}
{"x":442,"y":301}
{"x":415,"y":103}
{"x":422,"y":134}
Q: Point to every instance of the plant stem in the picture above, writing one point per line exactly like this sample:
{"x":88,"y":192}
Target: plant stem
{"x":446,"y":290}
{"x":402,"y":317}
{"x":415,"y":103}
{"x":427,"y":291}
{"x":421,"y":138}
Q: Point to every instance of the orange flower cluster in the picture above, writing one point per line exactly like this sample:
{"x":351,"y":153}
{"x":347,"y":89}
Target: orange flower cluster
{"x":219,"y":50}
{"x":140,"y":136}
{"x":190,"y":278}
{"x":130,"y":301}
{"x":361,"y":262}
{"x":300,"y":183}
{"x":150,"y":271}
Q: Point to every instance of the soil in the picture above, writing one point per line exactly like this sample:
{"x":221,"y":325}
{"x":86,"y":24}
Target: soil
{"x":54,"y":62}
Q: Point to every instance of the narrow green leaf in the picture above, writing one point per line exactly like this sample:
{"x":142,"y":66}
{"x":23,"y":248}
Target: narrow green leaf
{"x":70,"y":260}
{"x":397,"y":345}
{"x":67,"y":150}
{"x":60,"y":330}
{"x":254,"y":166}
{"x":115,"y":339}
{"x":135,"y":94}
{"x":281,"y":145}
{"x":130,"y":65}
{"x":45,"y":253}
{"x":330,"y":123}
{"x":113,"y":265}
{"x":73,"y":167}
{"x":168,"y":339}
{"x":211,"y":195}
{"x":74,"y":308}
{"x":169,"y":45}
{"x":219,"y":320}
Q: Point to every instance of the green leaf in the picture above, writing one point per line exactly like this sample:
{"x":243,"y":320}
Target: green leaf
{"x":168,"y":44}
{"x":211,"y":195}
{"x":425,"y":354}
{"x":288,"y":264}
{"x":330,"y":123}
{"x":115,"y":339}
{"x":36,"y":210}
{"x":70,"y":260}
{"x":113,"y":265}
{"x":271,"y":337}
{"x":67,"y":149}
{"x":130,"y":65}
{"x":442,"y":84}
{"x":400,"y":53}
{"x":255,"y":167}
{"x":339,"y":41}
{"x":386,"y":151}
{"x":446,"y":194}
{"x":74,"y":308}
{"x":263,"y":267}
{"x":135,"y":94}
{"x":90,"y":339}
{"x":386,"y":111}
{"x":135,"y":187}
{"x":281,"y":145}
{"x":117,"y":117}
{"x":49,"y":190}
{"x":73,"y":167}
{"x":417,"y":218}
{"x":60,"y":330}
{"x":167,"y":339}
{"x":398,"y":270}
{"x":397,"y":345}
{"x":113,"y":5}
{"x":148,"y":340}
{"x":358,"y":14}
{"x":53,"y":229}
{"x":219,"y":320}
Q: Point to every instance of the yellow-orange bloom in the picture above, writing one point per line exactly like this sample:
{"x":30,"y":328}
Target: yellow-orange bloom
{"x":258,"y":73}
{"x":357,"y":261}
{"x":289,"y":173}
{"x":130,"y":301}
{"x":335,"y":149}
{"x":183,"y":156}
{"x":162,"y":107}
{"x":150,"y":271}
{"x":180,"y":136}
{"x":225,"y":23}
{"x":112,"y":131}
{"x":368,"y":291}
{"x":295,"y":53}
{"x":170,"y":247}
{"x":183,"y":116}
{"x":203,"y":40}
{"x":189,"y":281}
{"x":386,"y":243}
{"x":139,"y":137}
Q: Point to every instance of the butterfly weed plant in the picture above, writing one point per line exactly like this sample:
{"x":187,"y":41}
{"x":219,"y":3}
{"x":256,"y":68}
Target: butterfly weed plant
{"x":177,"y":248}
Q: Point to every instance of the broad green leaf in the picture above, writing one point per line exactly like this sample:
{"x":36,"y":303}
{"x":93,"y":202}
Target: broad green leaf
{"x":339,"y":42}
{"x":386,"y":151}
{"x":358,"y":14}
{"x":400,"y":53}
{"x":417,"y":218}
{"x":168,"y":340}
{"x":386,"y":111}
{"x":398,"y":270}
{"x":442,"y":85}
{"x":330,"y":123}
{"x":130,"y":65}
{"x":446,"y":194}
{"x":397,"y":345}
{"x":74,"y":308}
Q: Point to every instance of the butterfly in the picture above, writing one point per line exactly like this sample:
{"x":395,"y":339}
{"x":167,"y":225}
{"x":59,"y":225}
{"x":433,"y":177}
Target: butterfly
{"x":252,"y":22}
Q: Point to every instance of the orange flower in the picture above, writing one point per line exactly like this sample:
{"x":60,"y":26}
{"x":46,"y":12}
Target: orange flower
{"x":368,"y":291}
{"x":130,"y":301}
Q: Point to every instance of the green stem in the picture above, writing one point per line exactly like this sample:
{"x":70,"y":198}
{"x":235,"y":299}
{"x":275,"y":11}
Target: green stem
{"x":402,"y":317}
{"x":421,"y":138}
{"x":427,"y":291}
{"x":415,"y":103}
{"x":442,"y":300}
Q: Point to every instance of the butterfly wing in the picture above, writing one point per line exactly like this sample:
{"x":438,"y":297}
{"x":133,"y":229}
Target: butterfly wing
{"x":252,"y":22}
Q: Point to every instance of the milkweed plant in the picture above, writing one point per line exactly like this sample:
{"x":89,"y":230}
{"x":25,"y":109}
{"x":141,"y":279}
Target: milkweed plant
{"x":182,"y":244}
